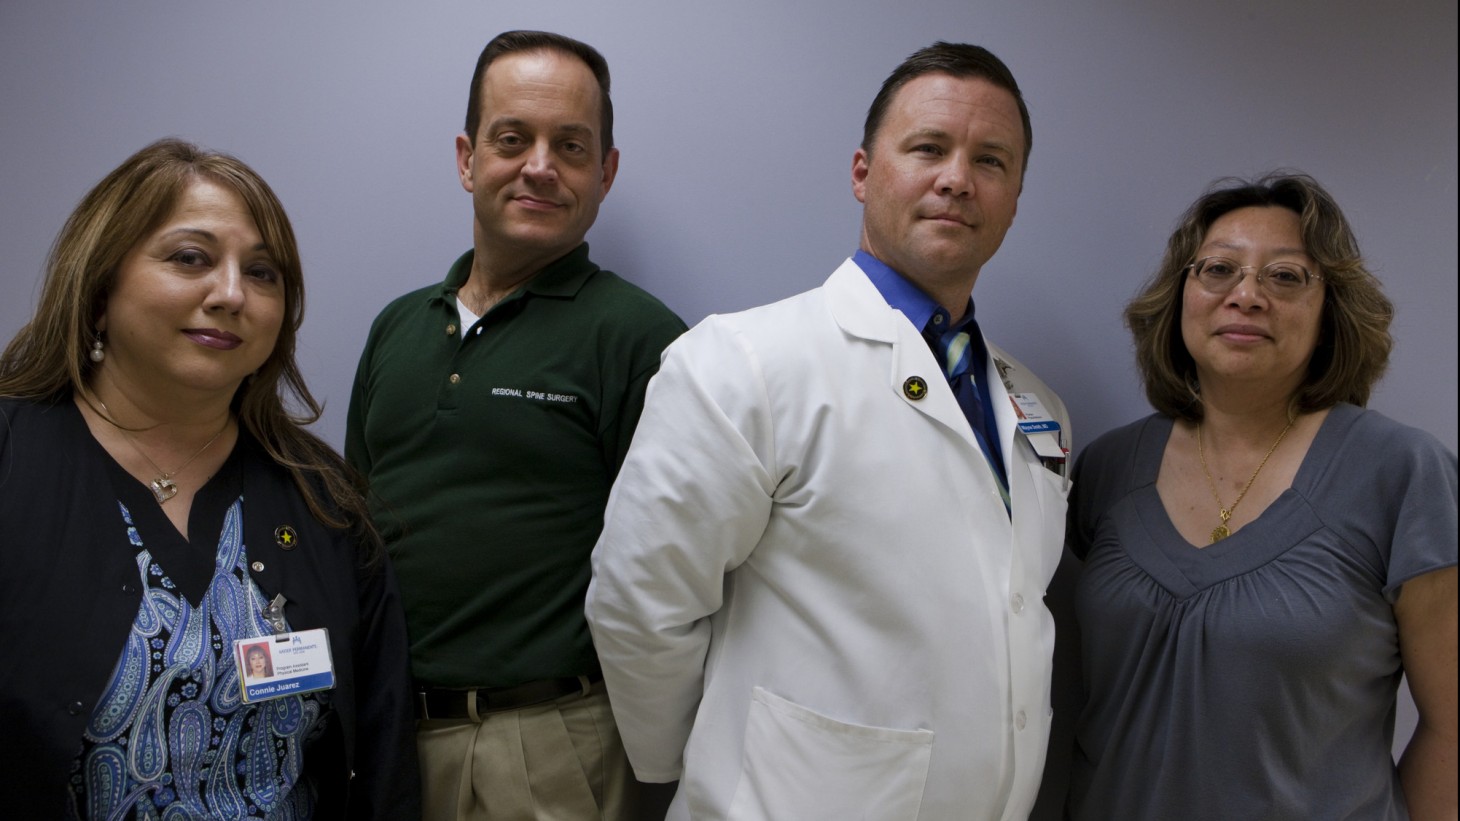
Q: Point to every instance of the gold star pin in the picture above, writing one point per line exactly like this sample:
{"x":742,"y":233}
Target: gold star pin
{"x":286,"y":537}
{"x":914,"y":388}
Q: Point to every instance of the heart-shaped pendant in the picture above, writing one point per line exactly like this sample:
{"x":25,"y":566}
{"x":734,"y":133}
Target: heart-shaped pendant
{"x":163,"y":488}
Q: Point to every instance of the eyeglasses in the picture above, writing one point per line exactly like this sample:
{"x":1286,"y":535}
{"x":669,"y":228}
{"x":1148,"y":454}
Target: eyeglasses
{"x":1284,"y":280}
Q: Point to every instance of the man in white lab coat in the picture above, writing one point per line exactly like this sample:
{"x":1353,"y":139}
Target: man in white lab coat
{"x":818,"y":592}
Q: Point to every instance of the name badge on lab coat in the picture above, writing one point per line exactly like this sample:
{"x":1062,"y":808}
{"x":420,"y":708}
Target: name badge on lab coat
{"x":1039,"y":427}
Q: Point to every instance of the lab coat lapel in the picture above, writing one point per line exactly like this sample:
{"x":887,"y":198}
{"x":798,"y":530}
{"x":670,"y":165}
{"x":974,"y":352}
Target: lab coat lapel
{"x":860,"y":311}
{"x":1017,"y":454}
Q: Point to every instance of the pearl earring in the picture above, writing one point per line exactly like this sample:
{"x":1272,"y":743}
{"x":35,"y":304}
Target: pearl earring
{"x":97,"y":354}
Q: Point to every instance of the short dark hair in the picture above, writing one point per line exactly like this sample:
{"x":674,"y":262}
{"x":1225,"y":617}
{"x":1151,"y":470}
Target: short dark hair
{"x":1354,"y":340}
{"x":512,"y":42}
{"x":958,"y":60}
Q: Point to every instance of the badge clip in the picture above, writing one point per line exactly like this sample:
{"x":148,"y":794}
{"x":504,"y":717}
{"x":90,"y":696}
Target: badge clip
{"x":274,"y":614}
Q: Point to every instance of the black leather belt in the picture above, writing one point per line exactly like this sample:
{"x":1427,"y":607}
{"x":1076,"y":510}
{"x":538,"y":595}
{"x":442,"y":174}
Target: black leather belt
{"x":439,"y":702}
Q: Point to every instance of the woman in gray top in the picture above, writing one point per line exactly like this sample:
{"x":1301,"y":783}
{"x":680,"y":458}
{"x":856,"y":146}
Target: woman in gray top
{"x":1264,"y":558}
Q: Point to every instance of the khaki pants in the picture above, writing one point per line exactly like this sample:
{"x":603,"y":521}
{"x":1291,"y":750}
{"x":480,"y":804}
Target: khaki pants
{"x":558,"y":761}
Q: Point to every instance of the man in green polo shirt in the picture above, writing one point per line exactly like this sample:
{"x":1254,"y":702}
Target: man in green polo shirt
{"x":490,"y":415}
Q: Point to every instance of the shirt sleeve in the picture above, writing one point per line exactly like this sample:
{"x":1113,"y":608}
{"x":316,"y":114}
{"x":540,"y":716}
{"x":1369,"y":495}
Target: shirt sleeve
{"x":1089,"y":496}
{"x":1422,"y":487}
{"x":386,"y":784}
{"x":689,"y":506}
{"x":620,"y":425}
{"x":357,"y":452}
{"x":1079,"y":523}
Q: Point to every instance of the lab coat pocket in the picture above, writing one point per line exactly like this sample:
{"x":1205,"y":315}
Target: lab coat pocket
{"x":803,"y":765}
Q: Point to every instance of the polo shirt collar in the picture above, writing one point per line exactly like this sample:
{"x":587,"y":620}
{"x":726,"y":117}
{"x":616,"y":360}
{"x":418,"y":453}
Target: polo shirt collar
{"x":561,"y":278}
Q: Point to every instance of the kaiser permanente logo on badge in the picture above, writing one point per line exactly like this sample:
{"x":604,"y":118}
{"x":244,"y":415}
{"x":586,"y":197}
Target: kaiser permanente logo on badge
{"x":285,"y":664}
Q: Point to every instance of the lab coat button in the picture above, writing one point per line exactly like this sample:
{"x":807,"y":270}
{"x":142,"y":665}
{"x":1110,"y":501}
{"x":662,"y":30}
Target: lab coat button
{"x":1019,"y":720}
{"x":1017,"y":603}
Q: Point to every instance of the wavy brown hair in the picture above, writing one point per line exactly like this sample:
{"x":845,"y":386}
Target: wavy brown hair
{"x":1353,"y":343}
{"x":48,"y":359}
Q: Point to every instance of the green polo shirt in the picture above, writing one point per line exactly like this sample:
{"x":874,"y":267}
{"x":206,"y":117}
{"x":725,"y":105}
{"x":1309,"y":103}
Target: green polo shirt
{"x":490,"y":452}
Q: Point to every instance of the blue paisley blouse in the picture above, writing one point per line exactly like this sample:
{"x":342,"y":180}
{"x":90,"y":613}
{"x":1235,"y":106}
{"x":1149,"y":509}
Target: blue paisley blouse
{"x":171,"y":737}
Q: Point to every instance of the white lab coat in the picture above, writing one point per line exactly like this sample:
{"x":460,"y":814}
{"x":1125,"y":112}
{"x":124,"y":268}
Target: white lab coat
{"x":808,"y":598}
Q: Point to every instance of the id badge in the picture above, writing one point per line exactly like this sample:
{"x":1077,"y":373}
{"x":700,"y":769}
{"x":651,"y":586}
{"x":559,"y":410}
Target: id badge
{"x":284,"y":664}
{"x":1038,"y":426}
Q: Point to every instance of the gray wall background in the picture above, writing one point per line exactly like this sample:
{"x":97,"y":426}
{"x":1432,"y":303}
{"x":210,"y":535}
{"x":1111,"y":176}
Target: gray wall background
{"x":737,"y":122}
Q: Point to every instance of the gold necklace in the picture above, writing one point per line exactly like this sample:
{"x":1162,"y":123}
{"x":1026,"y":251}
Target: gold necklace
{"x":1221,"y":532}
{"x":163,"y":487}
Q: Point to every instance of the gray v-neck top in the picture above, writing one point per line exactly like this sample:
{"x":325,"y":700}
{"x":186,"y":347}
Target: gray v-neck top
{"x":1254,"y":678}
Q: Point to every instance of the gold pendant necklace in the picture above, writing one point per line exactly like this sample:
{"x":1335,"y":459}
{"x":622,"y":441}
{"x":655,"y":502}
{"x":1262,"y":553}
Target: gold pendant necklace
{"x":1221,"y":532}
{"x":163,"y":487}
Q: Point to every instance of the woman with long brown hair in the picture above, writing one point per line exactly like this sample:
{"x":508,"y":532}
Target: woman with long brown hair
{"x":160,"y":503}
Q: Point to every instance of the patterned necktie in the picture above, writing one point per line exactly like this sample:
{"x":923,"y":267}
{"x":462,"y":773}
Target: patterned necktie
{"x":958,"y":361}
{"x":957,"y":365}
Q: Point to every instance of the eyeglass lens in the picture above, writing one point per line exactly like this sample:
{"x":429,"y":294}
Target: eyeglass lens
{"x":1220,"y":275}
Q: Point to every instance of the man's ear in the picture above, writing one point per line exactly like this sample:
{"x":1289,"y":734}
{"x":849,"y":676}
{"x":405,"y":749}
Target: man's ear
{"x":464,"y":160}
{"x":860,"y":165}
{"x":610,"y":170}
